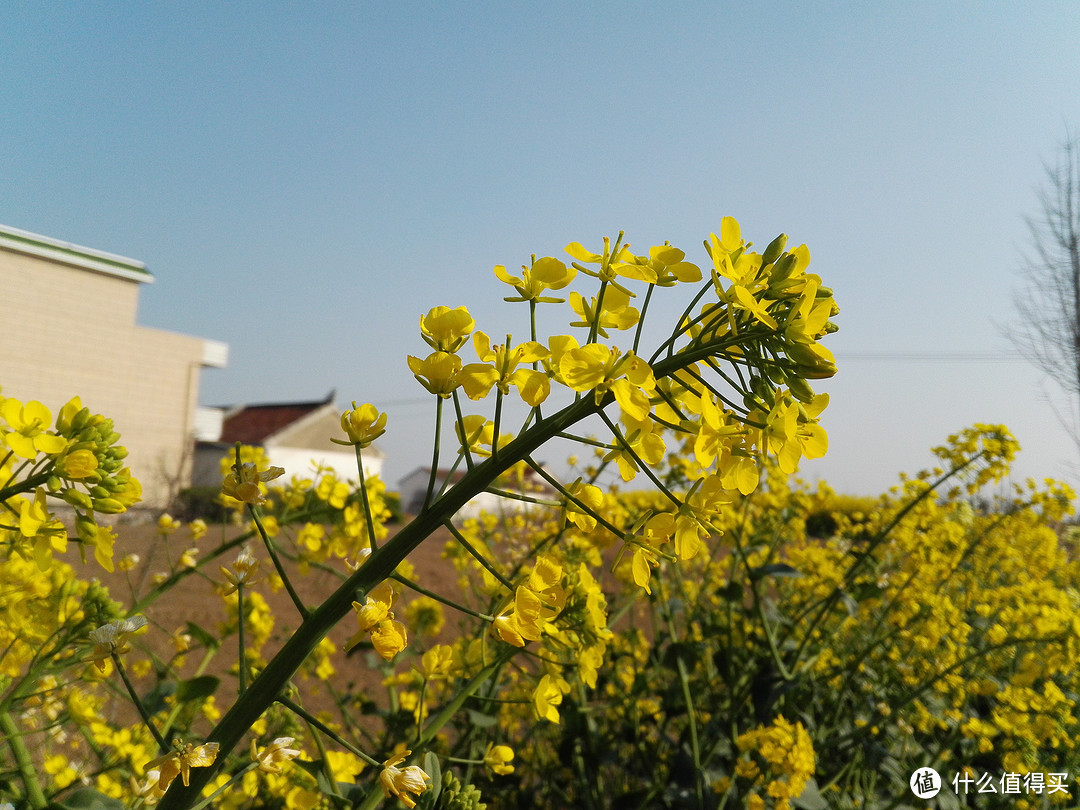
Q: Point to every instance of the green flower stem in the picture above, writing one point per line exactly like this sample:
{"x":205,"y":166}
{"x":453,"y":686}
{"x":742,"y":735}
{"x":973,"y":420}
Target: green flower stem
{"x":265,"y":688}
{"x":327,"y":768}
{"x":480,"y":558}
{"x":415,"y":586}
{"x":164,"y":746}
{"x":434,"y":454}
{"x":242,"y":661}
{"x":240,"y":539}
{"x":735,"y":407}
{"x":272,"y":551}
{"x":759,"y":611}
{"x":461,"y":429}
{"x":208,"y":656}
{"x":463,"y":761}
{"x":313,"y":721}
{"x":574,"y":500}
{"x":497,"y":422}
{"x":26,"y":485}
{"x":828,"y":602}
{"x":436,"y":723}
{"x":736,"y":363}
{"x":517,"y":496}
{"x":364,"y":499}
{"x":235,"y":779}
{"x":5,"y":460}
{"x":594,"y":327}
{"x":448,"y":481}
{"x":688,"y":698}
{"x":674,"y":405}
{"x":641,"y":317}
{"x":637,"y":460}
{"x":585,"y":440}
{"x":24,"y":762}
{"x":684,"y":324}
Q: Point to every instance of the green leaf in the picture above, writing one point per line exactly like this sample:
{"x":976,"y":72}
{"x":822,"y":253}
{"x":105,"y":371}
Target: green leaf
{"x":89,"y":799}
{"x":481,"y":720}
{"x":434,"y":770}
{"x":197,"y":688}
{"x":773,"y":570}
{"x":155,"y":699}
{"x":810,"y":798}
{"x":732,"y":592}
{"x":208,"y":640}
{"x":313,"y":767}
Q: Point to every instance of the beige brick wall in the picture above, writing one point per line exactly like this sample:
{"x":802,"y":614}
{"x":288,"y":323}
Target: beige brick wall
{"x":67,"y":331}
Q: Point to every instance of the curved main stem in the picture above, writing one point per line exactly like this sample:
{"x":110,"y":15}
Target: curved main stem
{"x":266,"y":688}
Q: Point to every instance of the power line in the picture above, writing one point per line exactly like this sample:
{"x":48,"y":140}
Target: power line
{"x":932,"y":357}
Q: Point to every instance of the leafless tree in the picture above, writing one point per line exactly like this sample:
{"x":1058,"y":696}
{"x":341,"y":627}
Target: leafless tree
{"x":1048,"y":331}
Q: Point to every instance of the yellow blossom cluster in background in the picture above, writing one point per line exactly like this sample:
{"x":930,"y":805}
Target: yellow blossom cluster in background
{"x":719,"y":636}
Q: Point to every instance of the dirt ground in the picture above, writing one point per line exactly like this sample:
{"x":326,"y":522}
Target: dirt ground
{"x":195,"y":599}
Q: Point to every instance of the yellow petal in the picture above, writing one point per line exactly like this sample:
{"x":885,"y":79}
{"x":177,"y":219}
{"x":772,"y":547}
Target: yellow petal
{"x":533,"y":386}
{"x":631,"y":399}
{"x":578,"y":251}
{"x":552,"y":272}
{"x":477,"y":379}
{"x":730,"y":234}
{"x":583,"y":368}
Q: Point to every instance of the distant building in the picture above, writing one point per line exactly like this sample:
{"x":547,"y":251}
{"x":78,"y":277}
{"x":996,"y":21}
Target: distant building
{"x":413,"y":489}
{"x":295,"y":435}
{"x":68,"y":315}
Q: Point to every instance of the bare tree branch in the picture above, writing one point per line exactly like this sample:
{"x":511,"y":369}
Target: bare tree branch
{"x":1048,"y":330}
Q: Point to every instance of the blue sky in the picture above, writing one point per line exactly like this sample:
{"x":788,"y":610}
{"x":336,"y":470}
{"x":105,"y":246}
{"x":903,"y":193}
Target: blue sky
{"x":305,"y":179}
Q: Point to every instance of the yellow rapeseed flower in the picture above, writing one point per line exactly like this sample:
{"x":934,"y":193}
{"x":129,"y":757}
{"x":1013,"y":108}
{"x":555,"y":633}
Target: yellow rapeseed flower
{"x":28,"y":424}
{"x":445,"y":329}
{"x":243,"y":484}
{"x":403,"y":782}
{"x":363,"y":425}
{"x":181,"y":761}
{"x":498,"y":759}
{"x":545,"y":274}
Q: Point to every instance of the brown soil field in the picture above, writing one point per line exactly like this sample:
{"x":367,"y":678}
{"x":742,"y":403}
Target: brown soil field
{"x":195,"y":598}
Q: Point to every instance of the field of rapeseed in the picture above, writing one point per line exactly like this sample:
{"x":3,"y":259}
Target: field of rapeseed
{"x":718,"y":636}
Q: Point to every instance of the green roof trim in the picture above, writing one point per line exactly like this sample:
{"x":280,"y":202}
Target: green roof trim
{"x":20,"y":241}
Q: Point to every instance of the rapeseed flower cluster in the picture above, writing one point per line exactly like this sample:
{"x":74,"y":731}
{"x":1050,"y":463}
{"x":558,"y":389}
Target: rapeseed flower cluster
{"x":75,"y":460}
{"x":725,"y":636}
{"x":779,"y":761}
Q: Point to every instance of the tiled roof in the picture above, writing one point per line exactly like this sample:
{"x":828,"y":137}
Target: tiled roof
{"x":252,"y":424}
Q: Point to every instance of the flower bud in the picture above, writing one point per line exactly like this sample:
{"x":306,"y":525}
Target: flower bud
{"x":78,"y":499}
{"x":815,"y":362}
{"x":774,"y":250}
{"x":85,"y":527}
{"x":800,"y":389}
{"x":763,"y":389}
{"x":783,"y":268}
{"x":108,"y":506}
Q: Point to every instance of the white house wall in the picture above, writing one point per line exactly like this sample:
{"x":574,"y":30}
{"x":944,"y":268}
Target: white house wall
{"x":300,"y":461}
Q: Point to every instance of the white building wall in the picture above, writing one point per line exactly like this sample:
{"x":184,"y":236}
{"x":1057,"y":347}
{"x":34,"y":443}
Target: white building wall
{"x":303,"y":462}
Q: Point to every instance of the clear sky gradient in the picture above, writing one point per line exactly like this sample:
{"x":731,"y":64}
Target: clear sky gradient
{"x":305,"y":179}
